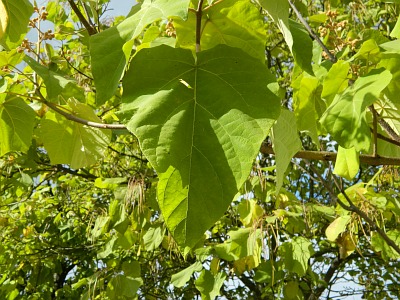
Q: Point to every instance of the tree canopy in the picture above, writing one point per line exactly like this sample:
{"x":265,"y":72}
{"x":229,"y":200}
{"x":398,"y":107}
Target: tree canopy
{"x":232,"y":149}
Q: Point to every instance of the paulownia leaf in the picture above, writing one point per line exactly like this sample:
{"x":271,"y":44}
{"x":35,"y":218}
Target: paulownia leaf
{"x":336,"y":81}
{"x":14,"y":19}
{"x":337,"y":227}
{"x":179,"y":279}
{"x":71,"y":143}
{"x":306,"y":95}
{"x":236,"y":23}
{"x":286,"y":144}
{"x":56,"y":85}
{"x":302,"y":46}
{"x":345,"y":118}
{"x":16,"y":125}
{"x":110,"y":49}
{"x":391,"y":62}
{"x":279,"y":12}
{"x":296,"y":254}
{"x":347,"y":163}
{"x":209,"y":285}
{"x":200,"y":122}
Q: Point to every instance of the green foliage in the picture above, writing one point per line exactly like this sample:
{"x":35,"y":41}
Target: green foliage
{"x":184,"y":150}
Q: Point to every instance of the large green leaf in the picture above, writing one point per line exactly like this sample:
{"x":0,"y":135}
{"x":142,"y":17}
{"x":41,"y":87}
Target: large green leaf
{"x":16,"y":14}
{"x":231,"y":22}
{"x":345,"y":118}
{"x":286,"y":143}
{"x":16,"y":125}
{"x":200,"y":122}
{"x":57,"y":86}
{"x":110,"y":49}
{"x":71,"y":143}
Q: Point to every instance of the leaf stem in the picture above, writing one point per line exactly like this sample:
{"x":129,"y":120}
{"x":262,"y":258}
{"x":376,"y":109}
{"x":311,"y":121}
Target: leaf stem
{"x":332,"y":57}
{"x":199,"y":14}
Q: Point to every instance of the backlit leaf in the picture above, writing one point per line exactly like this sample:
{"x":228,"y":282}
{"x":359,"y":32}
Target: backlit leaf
{"x":345,"y":118}
{"x":337,"y":227}
{"x":231,"y":22}
{"x":286,"y":143}
{"x":71,"y":143}
{"x":16,"y":125}
{"x":200,"y":123}
{"x":110,"y":49}
{"x":14,"y":18}
{"x":179,"y":279}
{"x":347,"y":163}
{"x":209,"y":285}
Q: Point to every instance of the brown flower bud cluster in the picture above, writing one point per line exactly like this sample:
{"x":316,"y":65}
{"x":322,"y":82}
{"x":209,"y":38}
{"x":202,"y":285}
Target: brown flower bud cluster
{"x":170,"y":29}
{"x":335,"y":32}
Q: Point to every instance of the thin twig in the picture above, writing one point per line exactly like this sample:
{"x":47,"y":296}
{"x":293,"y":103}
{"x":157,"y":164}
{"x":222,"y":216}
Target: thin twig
{"x":353,"y":208}
{"x":331,"y":156}
{"x":81,"y":18}
{"x":374,"y":226}
{"x":332,"y":57}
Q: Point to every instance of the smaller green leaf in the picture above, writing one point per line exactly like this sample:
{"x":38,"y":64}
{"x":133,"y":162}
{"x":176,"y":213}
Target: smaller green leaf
{"x":296,"y":254}
{"x":286,"y":143}
{"x":121,"y":285}
{"x":291,"y":291}
{"x":379,"y":244}
{"x":107,"y":249}
{"x":153,"y":238}
{"x":395,"y":33}
{"x":347,"y":163}
{"x":369,"y":51}
{"x":249,"y":211}
{"x":14,"y":18}
{"x":71,"y":143}
{"x":179,"y":279}
{"x":345,"y":118}
{"x":16,"y":125}
{"x":56,"y":85}
{"x":336,"y":81}
{"x":209,"y":285}
{"x":302,"y":46}
{"x":337,"y":227}
{"x":279,"y":12}
{"x":131,"y":269}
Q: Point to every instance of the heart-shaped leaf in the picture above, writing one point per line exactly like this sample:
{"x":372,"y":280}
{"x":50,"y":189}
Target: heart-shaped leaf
{"x":200,"y":122}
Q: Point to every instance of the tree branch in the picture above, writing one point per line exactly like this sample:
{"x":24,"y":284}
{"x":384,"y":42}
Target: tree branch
{"x":332,"y":57}
{"x":74,"y":118}
{"x":331,"y":156}
{"x":91,"y":30}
